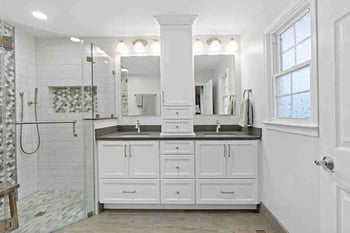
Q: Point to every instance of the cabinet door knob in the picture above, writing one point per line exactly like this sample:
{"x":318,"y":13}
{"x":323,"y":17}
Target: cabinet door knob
{"x":177,"y":192}
{"x":177,"y":167}
{"x":177,"y":113}
{"x":177,"y":148}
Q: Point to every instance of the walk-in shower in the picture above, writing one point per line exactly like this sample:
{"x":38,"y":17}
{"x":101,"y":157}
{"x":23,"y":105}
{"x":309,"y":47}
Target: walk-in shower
{"x":59,"y":94}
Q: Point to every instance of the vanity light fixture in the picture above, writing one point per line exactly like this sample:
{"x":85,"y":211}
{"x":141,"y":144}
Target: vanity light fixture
{"x":39,"y":15}
{"x":75,"y":39}
{"x":232,"y":45}
{"x":198,"y":46}
{"x":122,"y":47}
{"x":139,"y":45}
{"x":155,"y":46}
{"x":214,"y":44}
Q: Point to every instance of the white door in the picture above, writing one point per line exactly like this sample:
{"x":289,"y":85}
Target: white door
{"x":211,"y":159}
{"x":208,"y":98}
{"x":334,"y":99}
{"x":242,"y":159}
{"x":112,"y":159}
{"x":143,"y":159}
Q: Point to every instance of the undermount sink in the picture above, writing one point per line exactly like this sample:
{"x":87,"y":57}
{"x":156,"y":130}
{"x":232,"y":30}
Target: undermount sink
{"x":220,"y":134}
{"x":134,"y":134}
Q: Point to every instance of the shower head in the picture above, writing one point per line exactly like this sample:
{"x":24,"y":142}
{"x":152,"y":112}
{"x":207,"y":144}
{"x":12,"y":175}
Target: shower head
{"x":36,"y":95}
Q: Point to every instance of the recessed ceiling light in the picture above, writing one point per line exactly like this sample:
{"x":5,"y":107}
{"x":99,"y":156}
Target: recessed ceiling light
{"x":39,"y":15}
{"x":75,"y":39}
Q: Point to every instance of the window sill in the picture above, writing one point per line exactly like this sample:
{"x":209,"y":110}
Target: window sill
{"x":310,"y":130}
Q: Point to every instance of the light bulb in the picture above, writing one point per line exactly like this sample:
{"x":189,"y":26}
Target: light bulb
{"x":232,"y":46}
{"x":155,"y":46}
{"x":122,"y":47}
{"x":198,"y":46}
{"x":139,"y":47}
{"x":215,"y":45}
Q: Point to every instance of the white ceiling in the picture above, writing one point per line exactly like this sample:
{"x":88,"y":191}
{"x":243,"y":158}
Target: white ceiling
{"x":135,"y":17}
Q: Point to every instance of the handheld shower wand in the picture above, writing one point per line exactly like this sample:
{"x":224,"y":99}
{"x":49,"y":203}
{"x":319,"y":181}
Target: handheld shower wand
{"x":35,"y":102}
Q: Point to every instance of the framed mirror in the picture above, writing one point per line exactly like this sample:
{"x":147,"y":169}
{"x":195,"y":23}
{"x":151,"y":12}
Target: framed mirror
{"x":140,"y":85}
{"x":214,"y":77}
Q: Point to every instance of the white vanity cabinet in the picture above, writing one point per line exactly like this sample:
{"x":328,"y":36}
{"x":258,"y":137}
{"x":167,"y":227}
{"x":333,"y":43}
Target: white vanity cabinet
{"x":128,"y":172}
{"x":128,"y":159}
{"x":189,"y":174}
{"x":226,"y":159}
{"x":226,"y":172}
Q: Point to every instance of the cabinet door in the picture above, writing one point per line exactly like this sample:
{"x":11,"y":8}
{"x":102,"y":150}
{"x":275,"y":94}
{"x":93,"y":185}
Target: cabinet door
{"x":177,"y":65}
{"x":210,"y":159}
{"x":242,"y":159}
{"x":143,"y":159}
{"x":112,"y":159}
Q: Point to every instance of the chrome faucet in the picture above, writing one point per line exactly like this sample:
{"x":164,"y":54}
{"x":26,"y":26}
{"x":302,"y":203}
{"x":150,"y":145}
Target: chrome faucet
{"x":218,"y":126}
{"x":137,"y":126}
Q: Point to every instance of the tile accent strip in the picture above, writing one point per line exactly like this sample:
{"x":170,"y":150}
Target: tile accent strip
{"x":73,"y":99}
{"x":8,"y":165}
{"x":276,"y":226}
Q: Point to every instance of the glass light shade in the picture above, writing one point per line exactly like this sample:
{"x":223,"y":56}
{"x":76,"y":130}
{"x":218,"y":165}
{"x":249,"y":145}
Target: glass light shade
{"x":198,"y":46}
{"x":215,"y":45}
{"x":122,"y":47}
{"x":139,"y":47}
{"x":232,"y":46}
{"x":155,"y":46}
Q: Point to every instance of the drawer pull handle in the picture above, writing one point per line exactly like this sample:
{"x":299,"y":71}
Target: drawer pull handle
{"x":177,"y":126}
{"x":177,"y":148}
{"x":177,"y":192}
{"x":223,"y":192}
{"x":177,"y":113}
{"x":129,"y":192}
{"x":125,"y":155}
{"x":177,"y":167}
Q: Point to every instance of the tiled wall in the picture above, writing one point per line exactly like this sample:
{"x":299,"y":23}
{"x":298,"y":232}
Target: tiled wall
{"x":8,"y":168}
{"x":8,"y":110}
{"x":26,"y":82}
{"x":61,"y":161}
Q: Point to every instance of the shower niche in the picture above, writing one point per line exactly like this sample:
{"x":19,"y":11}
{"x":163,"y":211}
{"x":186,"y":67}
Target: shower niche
{"x":73,"y":99}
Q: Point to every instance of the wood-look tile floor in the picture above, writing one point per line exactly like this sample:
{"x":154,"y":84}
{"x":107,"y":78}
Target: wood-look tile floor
{"x":171,"y":222}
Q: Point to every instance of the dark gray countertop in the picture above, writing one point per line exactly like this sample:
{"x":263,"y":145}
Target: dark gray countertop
{"x":200,"y":135}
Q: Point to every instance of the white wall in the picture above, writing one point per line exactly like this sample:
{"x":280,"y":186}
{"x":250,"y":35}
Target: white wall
{"x":27,"y":165}
{"x":289,"y":181}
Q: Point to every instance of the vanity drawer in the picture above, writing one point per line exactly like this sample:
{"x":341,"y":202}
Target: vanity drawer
{"x":177,"y":126}
{"x":178,"y":191}
{"x":177,"y":112}
{"x":176,"y":147}
{"x":226,"y":191}
{"x":181,"y":166}
{"x":113,"y":191}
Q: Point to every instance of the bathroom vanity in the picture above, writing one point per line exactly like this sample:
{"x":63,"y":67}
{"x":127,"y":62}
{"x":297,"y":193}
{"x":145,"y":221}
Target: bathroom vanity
{"x":177,"y":164}
{"x":208,"y":170}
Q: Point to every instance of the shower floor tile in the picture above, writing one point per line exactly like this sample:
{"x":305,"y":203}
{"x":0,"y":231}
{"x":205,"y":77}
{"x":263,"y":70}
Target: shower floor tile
{"x":47,"y":210}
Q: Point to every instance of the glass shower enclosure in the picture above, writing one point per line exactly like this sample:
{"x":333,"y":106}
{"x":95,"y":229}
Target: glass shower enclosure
{"x":71,"y":86}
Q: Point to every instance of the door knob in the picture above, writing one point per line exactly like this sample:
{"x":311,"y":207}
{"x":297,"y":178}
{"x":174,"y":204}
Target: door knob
{"x":326,"y":163}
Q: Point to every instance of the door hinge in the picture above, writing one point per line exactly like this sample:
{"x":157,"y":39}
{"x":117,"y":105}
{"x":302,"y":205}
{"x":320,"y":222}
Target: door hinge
{"x":6,"y":42}
{"x":91,"y":60}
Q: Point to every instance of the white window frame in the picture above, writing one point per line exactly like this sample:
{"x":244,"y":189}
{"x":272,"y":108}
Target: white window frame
{"x":303,"y":126}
